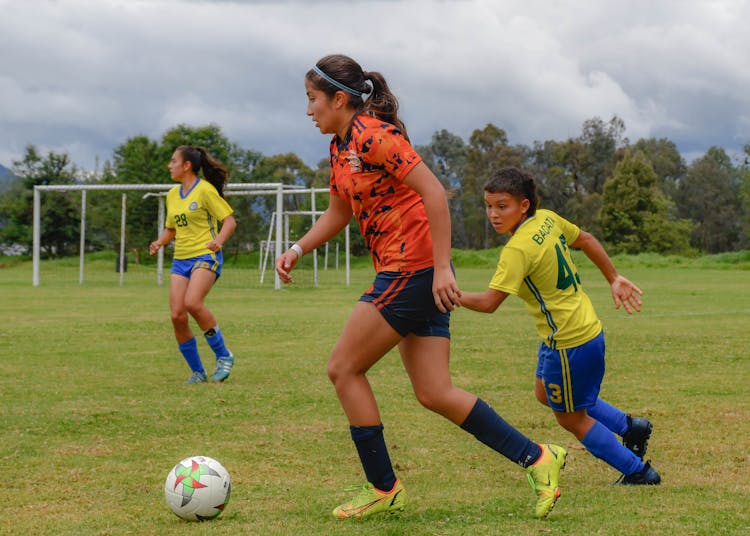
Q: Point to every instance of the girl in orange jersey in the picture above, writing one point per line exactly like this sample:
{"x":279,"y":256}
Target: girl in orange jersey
{"x":403,"y":216}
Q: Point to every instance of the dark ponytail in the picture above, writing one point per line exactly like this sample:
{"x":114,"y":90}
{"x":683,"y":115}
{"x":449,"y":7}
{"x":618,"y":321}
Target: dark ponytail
{"x":370,"y":92}
{"x":515,"y":182}
{"x":214,"y":171}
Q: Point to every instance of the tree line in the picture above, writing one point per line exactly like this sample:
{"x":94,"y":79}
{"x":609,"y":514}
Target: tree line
{"x":635,"y":197}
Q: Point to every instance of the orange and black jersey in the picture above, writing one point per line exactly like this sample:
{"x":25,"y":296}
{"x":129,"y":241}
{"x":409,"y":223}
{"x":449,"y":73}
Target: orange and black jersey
{"x":367,"y":171}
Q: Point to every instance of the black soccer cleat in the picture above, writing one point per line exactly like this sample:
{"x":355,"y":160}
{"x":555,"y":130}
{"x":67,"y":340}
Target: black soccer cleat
{"x":637,"y":436}
{"x":645,"y":477}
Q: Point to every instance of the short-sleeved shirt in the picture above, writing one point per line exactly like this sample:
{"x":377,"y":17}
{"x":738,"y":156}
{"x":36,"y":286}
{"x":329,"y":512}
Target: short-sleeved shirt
{"x":536,"y":266}
{"x":367,"y":171}
{"x":194,"y":216}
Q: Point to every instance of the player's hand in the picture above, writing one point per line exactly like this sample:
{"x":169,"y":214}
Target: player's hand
{"x":625,"y":293}
{"x":285,"y":264}
{"x":214,"y":245}
{"x":153,"y":247}
{"x":445,"y":290}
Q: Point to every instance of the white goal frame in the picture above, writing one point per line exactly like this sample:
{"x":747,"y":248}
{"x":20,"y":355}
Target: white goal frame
{"x":277,"y":189}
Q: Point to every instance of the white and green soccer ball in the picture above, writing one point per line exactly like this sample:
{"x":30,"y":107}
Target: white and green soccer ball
{"x":198,"y":488}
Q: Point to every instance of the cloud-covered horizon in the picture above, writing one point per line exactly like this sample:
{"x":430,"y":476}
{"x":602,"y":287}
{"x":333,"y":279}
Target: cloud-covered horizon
{"x":83,"y":76}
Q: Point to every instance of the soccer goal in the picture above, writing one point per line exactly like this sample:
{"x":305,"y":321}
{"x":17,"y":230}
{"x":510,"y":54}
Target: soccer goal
{"x":278,"y":238}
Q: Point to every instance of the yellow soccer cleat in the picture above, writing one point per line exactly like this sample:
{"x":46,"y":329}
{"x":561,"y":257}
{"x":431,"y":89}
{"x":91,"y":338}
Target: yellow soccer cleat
{"x":370,"y":501}
{"x":543,"y":476}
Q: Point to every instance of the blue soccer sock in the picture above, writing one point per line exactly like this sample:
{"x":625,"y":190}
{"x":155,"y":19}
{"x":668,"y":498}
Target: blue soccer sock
{"x":487,"y":426}
{"x":613,"y":418}
{"x":603,"y":444}
{"x":189,"y":351}
{"x":374,"y":456}
{"x":215,"y":340}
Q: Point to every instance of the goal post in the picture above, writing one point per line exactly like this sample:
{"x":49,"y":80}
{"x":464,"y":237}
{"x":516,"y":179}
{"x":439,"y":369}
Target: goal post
{"x":279,"y":190}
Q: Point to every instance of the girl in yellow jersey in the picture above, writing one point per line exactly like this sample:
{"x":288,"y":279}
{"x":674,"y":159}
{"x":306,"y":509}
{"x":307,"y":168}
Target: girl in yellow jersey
{"x":536,"y":266}
{"x":194,"y":210}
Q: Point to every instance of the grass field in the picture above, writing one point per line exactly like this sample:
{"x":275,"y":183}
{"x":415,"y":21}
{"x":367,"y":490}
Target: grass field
{"x":94,"y":411}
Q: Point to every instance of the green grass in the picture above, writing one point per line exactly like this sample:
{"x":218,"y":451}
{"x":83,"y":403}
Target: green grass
{"x":94,"y":411}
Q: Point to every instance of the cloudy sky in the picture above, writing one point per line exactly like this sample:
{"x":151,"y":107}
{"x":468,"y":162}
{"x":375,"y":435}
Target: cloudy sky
{"x":82,"y":76}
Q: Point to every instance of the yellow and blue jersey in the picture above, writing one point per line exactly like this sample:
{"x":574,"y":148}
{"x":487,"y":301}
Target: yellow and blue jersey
{"x":536,"y":266}
{"x":194,"y":216}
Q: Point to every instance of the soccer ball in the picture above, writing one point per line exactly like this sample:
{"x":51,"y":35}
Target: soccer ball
{"x":198,"y":488}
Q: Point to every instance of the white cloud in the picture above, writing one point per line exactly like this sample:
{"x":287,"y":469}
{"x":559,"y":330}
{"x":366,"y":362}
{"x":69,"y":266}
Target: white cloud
{"x":83,"y":76}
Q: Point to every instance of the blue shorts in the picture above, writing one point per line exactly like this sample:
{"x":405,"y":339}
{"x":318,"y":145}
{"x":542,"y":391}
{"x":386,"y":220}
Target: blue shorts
{"x":405,"y":300}
{"x":209,"y":261}
{"x":572,"y":377}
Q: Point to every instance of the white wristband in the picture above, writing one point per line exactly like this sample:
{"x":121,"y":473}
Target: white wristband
{"x":297,"y":249}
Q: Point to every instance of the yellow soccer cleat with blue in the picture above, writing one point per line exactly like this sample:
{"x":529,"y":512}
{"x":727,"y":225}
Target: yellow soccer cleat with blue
{"x":370,"y":501}
{"x":544,"y":475}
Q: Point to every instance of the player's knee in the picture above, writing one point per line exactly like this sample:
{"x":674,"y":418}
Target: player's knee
{"x":338,"y":369}
{"x":193,"y":306}
{"x":179,"y":318}
{"x":333,"y":371}
{"x":432,"y":399}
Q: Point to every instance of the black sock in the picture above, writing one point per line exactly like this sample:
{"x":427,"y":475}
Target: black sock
{"x":374,"y":456}
{"x":487,"y":426}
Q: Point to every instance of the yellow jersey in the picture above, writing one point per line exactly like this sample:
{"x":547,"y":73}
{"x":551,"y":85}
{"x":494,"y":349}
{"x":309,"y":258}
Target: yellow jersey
{"x":194,"y":216}
{"x":536,"y":266}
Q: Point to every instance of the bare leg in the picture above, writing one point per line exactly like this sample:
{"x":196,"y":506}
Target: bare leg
{"x":426,"y":360}
{"x":177,"y":288}
{"x":201,"y":282}
{"x":366,"y":338}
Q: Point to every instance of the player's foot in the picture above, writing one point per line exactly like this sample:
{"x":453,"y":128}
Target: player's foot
{"x":637,"y":436}
{"x":370,"y":501}
{"x":645,"y":477}
{"x":543,"y":476}
{"x":223,"y":368}
{"x":197,"y":377}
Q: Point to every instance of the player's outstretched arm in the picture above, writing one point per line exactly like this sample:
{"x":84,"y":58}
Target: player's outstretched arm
{"x":624,"y":292}
{"x":483,"y":302}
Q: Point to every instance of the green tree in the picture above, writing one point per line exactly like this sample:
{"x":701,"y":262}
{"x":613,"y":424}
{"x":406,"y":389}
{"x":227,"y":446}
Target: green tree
{"x":666,"y":160}
{"x":710,"y":196}
{"x":635,"y":216}
{"x":488,"y":150}
{"x":446,"y":156}
{"x":287,"y":169}
{"x":60,"y":216}
{"x":554,"y":185}
{"x":745,"y":197}
{"x":138,"y":160}
{"x":560,"y":171}
{"x":601,"y":141}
